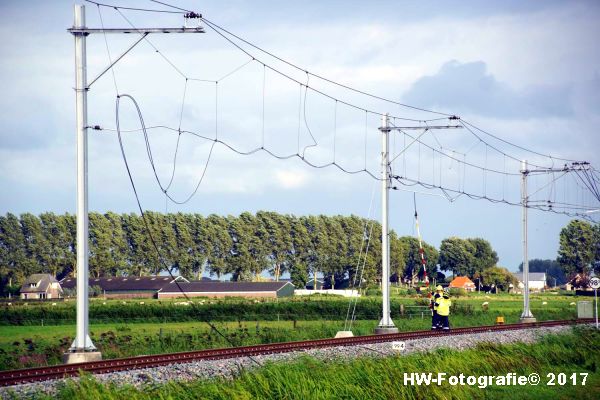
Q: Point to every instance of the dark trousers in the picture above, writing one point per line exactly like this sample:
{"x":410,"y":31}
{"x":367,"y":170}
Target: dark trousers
{"x":444,"y":322}
{"x":435,"y":319}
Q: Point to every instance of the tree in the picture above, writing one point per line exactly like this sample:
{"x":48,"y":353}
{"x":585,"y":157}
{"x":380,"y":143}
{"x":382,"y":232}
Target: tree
{"x":8,"y":261}
{"x":578,"y":248}
{"x":117,"y":245}
{"x":199,"y":231}
{"x":456,"y":255}
{"x":256,"y":236}
{"x":484,"y":257}
{"x":60,"y":244}
{"x":100,"y":261}
{"x":413,"y":271}
{"x":15,"y":264}
{"x":299,"y":255}
{"x":498,"y":277}
{"x":334,"y":269}
{"x":239,"y":260}
{"x":218,"y":243}
{"x":184,"y":245}
{"x":37,"y":248}
{"x":278,"y":240}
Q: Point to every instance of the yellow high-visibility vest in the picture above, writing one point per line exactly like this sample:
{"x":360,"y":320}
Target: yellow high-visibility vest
{"x":443,"y":306}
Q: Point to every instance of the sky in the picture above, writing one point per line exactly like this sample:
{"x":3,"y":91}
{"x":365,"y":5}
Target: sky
{"x":526,"y":71}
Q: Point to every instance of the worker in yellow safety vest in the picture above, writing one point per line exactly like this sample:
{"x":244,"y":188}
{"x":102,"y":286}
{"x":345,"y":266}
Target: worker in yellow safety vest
{"x":443,"y":310}
{"x":435,"y":321}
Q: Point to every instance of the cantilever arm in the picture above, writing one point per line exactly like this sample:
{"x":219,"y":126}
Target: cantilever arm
{"x":118,"y":59}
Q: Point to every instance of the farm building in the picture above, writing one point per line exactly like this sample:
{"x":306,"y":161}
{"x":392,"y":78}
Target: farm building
{"x":126,"y":287}
{"x":462,"y":282}
{"x":41,"y":286}
{"x":310,"y":285}
{"x":227,"y":289}
{"x":537,"y":280}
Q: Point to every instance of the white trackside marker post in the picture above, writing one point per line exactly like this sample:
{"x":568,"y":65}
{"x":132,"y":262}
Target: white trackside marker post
{"x":595,"y":284}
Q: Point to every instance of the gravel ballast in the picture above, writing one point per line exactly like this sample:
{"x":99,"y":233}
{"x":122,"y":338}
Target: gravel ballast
{"x":229,"y":368}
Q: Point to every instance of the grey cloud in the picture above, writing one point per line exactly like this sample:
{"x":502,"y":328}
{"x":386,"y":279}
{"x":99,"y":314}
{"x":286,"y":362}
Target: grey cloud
{"x":468,"y":87}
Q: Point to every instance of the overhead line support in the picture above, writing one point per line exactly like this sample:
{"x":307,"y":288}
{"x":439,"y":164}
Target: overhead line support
{"x":82,"y":349}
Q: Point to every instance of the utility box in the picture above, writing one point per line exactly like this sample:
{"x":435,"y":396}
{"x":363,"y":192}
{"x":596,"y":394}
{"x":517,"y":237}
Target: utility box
{"x":585,"y":309}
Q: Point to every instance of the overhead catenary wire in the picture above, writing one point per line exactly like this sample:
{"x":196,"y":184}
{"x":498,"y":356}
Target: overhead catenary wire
{"x":334,"y":163}
{"x":483,"y":168}
{"x":219,"y":30}
{"x":359,"y":271}
{"x":155,"y":246}
{"x":133,"y":8}
{"x":228,"y":35}
{"x":252,"y":151}
{"x":217,"y":27}
{"x":214,"y":141}
{"x":150,"y":155}
{"x":547,"y":206}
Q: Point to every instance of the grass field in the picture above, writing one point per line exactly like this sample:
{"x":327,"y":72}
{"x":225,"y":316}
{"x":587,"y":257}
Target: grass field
{"x":34,"y":344}
{"x":374,"y":378}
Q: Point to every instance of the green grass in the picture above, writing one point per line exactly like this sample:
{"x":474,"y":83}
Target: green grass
{"x":303,"y":308}
{"x":375,"y":378}
{"x":28,"y":345}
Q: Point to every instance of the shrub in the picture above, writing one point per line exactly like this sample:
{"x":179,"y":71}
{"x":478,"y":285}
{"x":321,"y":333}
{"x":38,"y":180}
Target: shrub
{"x":458,"y":292}
{"x":373,"y":292}
{"x":422,"y":301}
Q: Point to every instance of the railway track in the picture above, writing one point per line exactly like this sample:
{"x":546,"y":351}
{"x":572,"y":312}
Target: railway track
{"x":29,"y":375}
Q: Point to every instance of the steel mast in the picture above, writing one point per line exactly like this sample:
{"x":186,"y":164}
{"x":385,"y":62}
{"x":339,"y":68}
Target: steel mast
{"x":82,"y":349}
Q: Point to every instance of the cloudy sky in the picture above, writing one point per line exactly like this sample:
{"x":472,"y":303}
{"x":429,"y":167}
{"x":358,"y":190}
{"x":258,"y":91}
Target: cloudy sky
{"x":526,"y":71}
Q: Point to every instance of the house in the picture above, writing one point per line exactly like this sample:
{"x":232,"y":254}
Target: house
{"x":462,"y":282}
{"x":310,"y":285}
{"x":226,"y":289}
{"x":41,"y":286}
{"x":580,"y":281}
{"x":537,"y":280}
{"x":124,"y":287}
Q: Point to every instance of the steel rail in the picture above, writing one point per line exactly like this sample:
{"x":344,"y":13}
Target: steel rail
{"x":29,"y":375}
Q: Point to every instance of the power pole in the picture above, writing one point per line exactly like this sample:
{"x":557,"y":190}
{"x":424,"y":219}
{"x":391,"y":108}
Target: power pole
{"x":386,"y":325}
{"x":526,"y":316}
{"x":82,"y":349}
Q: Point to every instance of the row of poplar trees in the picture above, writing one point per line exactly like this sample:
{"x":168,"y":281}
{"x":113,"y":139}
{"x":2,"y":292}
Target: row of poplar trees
{"x":243,"y":247}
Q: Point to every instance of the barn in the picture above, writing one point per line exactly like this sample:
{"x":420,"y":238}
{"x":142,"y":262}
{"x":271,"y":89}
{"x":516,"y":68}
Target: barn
{"x":537,"y":281}
{"x":126,"y":287}
{"x":227,"y":289}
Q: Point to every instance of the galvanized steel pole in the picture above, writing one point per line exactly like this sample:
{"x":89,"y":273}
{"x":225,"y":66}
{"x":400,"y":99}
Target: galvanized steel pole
{"x":82,"y":340}
{"x":386,"y":325}
{"x":526,"y":316}
{"x":82,"y":348}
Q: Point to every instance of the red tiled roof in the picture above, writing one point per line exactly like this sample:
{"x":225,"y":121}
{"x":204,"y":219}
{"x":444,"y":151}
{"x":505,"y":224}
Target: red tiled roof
{"x":461,"y":282}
